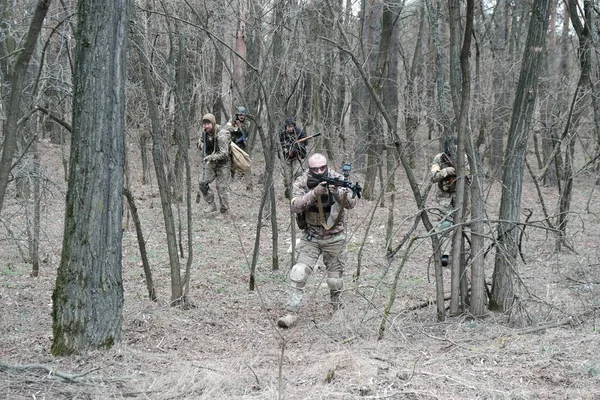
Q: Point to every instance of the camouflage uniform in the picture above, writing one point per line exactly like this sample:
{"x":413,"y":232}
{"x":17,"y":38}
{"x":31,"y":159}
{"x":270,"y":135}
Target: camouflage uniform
{"x":239,"y":132}
{"x":324,"y":234}
{"x":443,"y":173}
{"x":216,"y":165}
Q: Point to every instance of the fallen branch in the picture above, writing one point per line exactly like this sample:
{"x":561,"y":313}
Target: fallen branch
{"x":556,"y":324}
{"x":64,"y":376}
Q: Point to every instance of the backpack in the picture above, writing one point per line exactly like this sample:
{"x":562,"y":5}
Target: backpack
{"x":240,"y":160}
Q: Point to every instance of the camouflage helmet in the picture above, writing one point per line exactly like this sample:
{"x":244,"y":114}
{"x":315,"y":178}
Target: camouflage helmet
{"x":241,"y":110}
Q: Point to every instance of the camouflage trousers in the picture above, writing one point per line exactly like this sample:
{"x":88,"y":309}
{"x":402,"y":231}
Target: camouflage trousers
{"x":220,"y":173}
{"x":444,"y":216}
{"x":334,"y":253}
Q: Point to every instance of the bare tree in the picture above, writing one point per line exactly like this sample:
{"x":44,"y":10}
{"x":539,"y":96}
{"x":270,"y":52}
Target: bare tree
{"x":505,"y":268}
{"x":159,"y":167}
{"x":13,"y":107}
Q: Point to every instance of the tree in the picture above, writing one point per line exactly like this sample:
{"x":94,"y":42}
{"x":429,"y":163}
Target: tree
{"x":505,"y":268}
{"x":13,"y":106}
{"x":88,"y":297}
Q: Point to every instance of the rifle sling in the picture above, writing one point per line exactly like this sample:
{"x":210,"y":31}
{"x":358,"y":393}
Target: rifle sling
{"x":322,"y":215}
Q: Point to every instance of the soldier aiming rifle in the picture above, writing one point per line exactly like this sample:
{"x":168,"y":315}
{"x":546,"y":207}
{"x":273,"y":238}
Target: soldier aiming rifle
{"x":323,"y":207}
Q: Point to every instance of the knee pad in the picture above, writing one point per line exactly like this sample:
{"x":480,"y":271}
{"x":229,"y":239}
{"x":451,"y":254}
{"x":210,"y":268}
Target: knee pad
{"x":335,"y":284}
{"x":299,"y":274}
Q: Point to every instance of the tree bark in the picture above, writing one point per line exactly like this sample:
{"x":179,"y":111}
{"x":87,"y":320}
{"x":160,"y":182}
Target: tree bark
{"x":88,"y":297}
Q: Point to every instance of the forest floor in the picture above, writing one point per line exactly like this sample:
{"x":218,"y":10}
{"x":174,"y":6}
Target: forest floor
{"x":228,"y":346}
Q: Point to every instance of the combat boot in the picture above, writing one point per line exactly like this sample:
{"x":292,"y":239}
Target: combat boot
{"x":211,"y":207}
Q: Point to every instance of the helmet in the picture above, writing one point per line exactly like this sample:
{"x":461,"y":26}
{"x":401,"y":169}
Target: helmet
{"x":241,"y":110}
{"x":289,"y":121}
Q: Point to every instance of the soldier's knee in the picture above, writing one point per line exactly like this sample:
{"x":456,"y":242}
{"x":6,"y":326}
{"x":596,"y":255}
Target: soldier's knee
{"x":299,"y":274}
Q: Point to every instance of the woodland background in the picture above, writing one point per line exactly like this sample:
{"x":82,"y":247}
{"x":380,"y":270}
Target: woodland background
{"x":379,"y":80}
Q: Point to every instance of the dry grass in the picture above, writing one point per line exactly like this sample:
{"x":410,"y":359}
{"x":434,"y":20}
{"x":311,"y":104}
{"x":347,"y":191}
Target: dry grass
{"x":228,"y":347}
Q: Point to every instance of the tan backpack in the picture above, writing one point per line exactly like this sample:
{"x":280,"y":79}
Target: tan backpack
{"x":240,"y":160}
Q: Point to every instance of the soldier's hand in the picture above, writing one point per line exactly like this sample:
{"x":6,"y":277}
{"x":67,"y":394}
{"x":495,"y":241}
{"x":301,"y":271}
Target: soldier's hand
{"x":320,"y":189}
{"x":199,"y":144}
{"x":209,"y":158}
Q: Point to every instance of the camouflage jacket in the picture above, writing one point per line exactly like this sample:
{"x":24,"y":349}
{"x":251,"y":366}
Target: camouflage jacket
{"x":305,"y":201}
{"x":217,"y":149}
{"x":239,"y":134}
{"x":445,"y":182}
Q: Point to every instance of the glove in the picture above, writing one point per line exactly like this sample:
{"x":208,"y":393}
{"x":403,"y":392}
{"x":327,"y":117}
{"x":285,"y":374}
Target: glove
{"x":209,"y":158}
{"x":448,"y":171}
{"x":320,"y":189}
{"x":199,"y":145}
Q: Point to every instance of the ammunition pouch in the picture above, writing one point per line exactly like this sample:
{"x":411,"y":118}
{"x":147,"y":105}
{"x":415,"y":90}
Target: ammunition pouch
{"x":301,"y":221}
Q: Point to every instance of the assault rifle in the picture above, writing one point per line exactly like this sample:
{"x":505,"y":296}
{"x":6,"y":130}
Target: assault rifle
{"x":296,"y":149}
{"x":344,"y":182}
{"x":308,"y":137}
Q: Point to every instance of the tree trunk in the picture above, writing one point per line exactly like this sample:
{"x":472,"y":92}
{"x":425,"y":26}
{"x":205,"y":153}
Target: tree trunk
{"x":158,"y":157}
{"x":505,"y":268}
{"x":142,"y":244}
{"x":88,"y":297}
{"x":14,"y":103}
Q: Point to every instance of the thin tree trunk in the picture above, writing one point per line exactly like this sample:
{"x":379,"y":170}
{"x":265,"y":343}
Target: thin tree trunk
{"x":13,"y":106}
{"x":158,"y":157}
{"x":141,"y":243}
{"x":505,"y":268}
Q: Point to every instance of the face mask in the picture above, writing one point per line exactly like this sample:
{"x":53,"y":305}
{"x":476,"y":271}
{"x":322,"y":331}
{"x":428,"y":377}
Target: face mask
{"x":314,"y":179}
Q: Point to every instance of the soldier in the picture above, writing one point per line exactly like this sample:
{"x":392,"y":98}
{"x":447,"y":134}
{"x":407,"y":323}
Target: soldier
{"x":293,"y":150}
{"x":216,"y":164}
{"x":321,"y":207}
{"x":443,"y":172}
{"x":238,"y":127}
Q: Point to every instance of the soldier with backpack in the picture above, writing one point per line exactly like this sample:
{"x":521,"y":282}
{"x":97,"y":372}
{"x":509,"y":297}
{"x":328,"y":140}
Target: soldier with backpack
{"x":238,"y":126}
{"x":216,"y":163}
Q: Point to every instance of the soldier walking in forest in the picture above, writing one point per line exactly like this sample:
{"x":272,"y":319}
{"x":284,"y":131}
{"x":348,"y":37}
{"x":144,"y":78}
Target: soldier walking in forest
{"x":293,"y":144}
{"x":320,"y":210}
{"x":239,"y":126}
{"x":443,"y":172}
{"x":216,"y":163}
